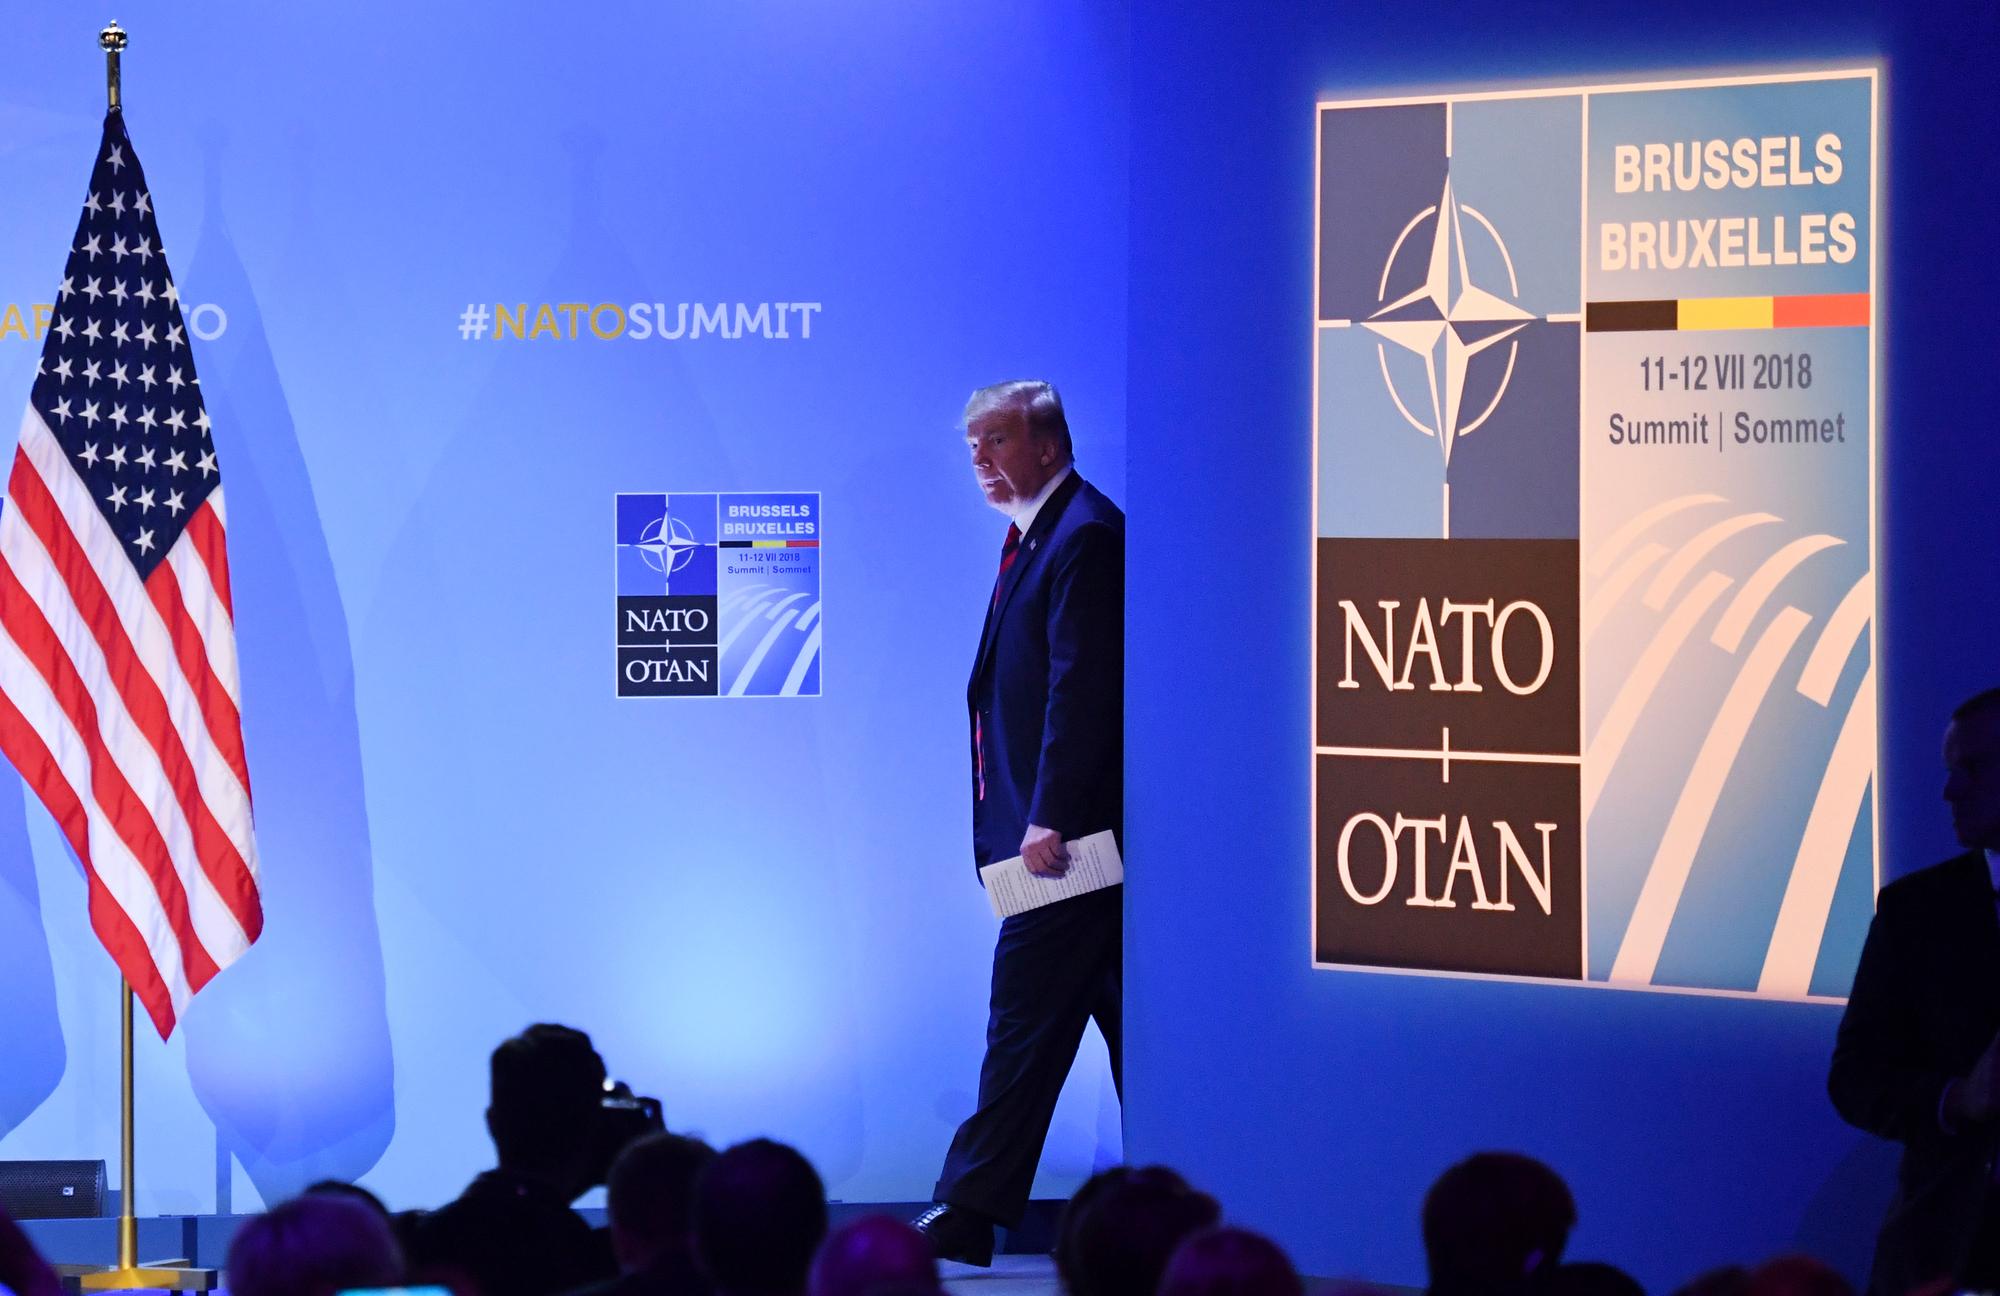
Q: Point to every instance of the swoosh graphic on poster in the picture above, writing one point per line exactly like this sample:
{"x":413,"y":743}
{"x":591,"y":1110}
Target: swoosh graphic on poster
{"x":1606,"y":596}
{"x":1696,"y":549}
{"x":1614,"y":546}
{"x":1750,"y":599}
{"x":1836,"y":642}
{"x":1666,"y":880}
{"x":1801,"y":927}
{"x":1602,"y":754}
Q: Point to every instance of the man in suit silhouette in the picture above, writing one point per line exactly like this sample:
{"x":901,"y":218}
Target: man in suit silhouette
{"x":1045,"y":714}
{"x":1917,"y":1058}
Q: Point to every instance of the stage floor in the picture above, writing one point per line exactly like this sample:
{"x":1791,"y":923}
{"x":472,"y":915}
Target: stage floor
{"x":1011,"y":1275}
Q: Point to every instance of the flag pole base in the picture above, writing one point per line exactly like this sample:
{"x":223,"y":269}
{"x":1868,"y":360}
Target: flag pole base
{"x":160,"y":1275}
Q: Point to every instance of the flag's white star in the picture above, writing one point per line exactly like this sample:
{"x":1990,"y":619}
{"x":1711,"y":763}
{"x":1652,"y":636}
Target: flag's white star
{"x":174,"y":379}
{"x":92,"y":206}
{"x":118,"y":333}
{"x":171,"y":293}
{"x":91,"y":330}
{"x":118,"y":375}
{"x":118,"y":248}
{"x":90,"y":374}
{"x":145,"y":540}
{"x":92,"y":246}
{"x":206,"y":463}
{"x":146,"y":337}
{"x":89,"y":454}
{"x":175,"y":503}
{"x":201,"y":419}
{"x":142,"y":203}
{"x":89,"y":413}
{"x":67,"y":288}
{"x":145,"y":293}
{"x":116,"y":499}
{"x":116,"y":157}
{"x":146,"y":419}
{"x":146,"y":378}
{"x":145,"y":500}
{"x":62,"y":369}
{"x":61,"y":410}
{"x":118,"y":415}
{"x":176,"y":421}
{"x":91,"y":289}
{"x":117,"y":456}
{"x":64,"y":329}
{"x":177,"y":461}
{"x":117,"y":203}
{"x":174,"y":336}
{"x":145,"y":459}
{"x":143,"y":249}
{"x":119,"y":292}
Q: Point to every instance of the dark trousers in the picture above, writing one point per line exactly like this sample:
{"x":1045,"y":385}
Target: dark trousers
{"x":1054,"y":968}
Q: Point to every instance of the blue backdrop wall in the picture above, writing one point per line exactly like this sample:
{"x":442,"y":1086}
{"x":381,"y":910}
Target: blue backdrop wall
{"x":1319,"y":1104}
{"x":762,"y":909}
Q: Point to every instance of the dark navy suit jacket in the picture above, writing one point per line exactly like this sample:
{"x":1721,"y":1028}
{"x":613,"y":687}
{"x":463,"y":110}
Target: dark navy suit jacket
{"x":1925,"y":1003}
{"x":1046,"y":703}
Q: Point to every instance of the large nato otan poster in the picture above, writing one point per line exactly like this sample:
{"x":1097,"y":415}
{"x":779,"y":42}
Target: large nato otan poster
{"x":1594,"y":426}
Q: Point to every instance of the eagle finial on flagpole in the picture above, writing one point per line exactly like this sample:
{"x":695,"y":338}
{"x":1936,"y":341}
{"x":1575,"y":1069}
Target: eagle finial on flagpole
{"x":112,"y":41}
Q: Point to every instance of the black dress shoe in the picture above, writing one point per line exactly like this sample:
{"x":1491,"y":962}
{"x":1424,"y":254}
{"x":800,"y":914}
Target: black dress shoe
{"x":955,"y":1233}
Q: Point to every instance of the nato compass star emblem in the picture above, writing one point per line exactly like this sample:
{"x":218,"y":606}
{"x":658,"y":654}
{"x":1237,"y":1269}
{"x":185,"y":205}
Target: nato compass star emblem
{"x":1446,"y":320}
{"x":666,"y":545}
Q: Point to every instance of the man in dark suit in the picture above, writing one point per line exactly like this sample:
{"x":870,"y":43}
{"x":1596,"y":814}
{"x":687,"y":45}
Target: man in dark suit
{"x":1045,"y":713}
{"x":1917,"y":1058}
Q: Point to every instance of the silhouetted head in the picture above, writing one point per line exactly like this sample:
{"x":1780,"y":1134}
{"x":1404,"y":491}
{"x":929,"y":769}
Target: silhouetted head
{"x":1494,"y":1220}
{"x":864,"y":1256}
{"x":1121,"y":1226}
{"x":351,"y":1191}
{"x":650,"y":1196}
{"x":759,"y":1214}
{"x":1230,"y":1262}
{"x":1797,"y":1275}
{"x":314,"y":1245}
{"x":1972,"y":770}
{"x":548,"y":1083}
{"x":1729,"y":1280}
{"x":1586,"y":1278}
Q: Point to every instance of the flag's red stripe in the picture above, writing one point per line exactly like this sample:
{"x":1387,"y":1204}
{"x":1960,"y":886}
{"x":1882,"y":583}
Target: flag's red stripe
{"x":206,"y":530}
{"x":30,"y":755}
{"x":114,"y":928}
{"x":218,"y":712}
{"x":30,"y":631}
{"x":214,"y":851}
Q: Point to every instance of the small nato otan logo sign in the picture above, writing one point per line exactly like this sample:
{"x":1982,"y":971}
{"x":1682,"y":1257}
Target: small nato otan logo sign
{"x":718,"y":594}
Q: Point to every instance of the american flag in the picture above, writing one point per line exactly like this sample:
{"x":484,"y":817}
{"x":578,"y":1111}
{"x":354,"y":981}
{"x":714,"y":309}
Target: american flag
{"x":118,"y":681}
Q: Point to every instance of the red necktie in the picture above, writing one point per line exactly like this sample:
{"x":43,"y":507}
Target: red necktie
{"x":1008,"y":553}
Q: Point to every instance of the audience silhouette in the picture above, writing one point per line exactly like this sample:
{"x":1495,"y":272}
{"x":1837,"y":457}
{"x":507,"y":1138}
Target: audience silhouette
{"x":759,"y":1215}
{"x":1230,"y":1262}
{"x":871,"y":1254}
{"x":650,"y":1201}
{"x":752,"y":1221}
{"x":512,"y":1231}
{"x":1493,"y":1223}
{"x":317,"y":1244}
{"x":1122,"y":1226}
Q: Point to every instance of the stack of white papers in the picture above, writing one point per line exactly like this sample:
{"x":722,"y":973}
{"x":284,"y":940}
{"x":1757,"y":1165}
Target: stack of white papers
{"x":1093,"y":865}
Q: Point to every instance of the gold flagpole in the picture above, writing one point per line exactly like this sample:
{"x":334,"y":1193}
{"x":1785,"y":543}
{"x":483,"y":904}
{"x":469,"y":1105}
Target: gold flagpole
{"x":128,"y":1218}
{"x":173,"y":1275}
